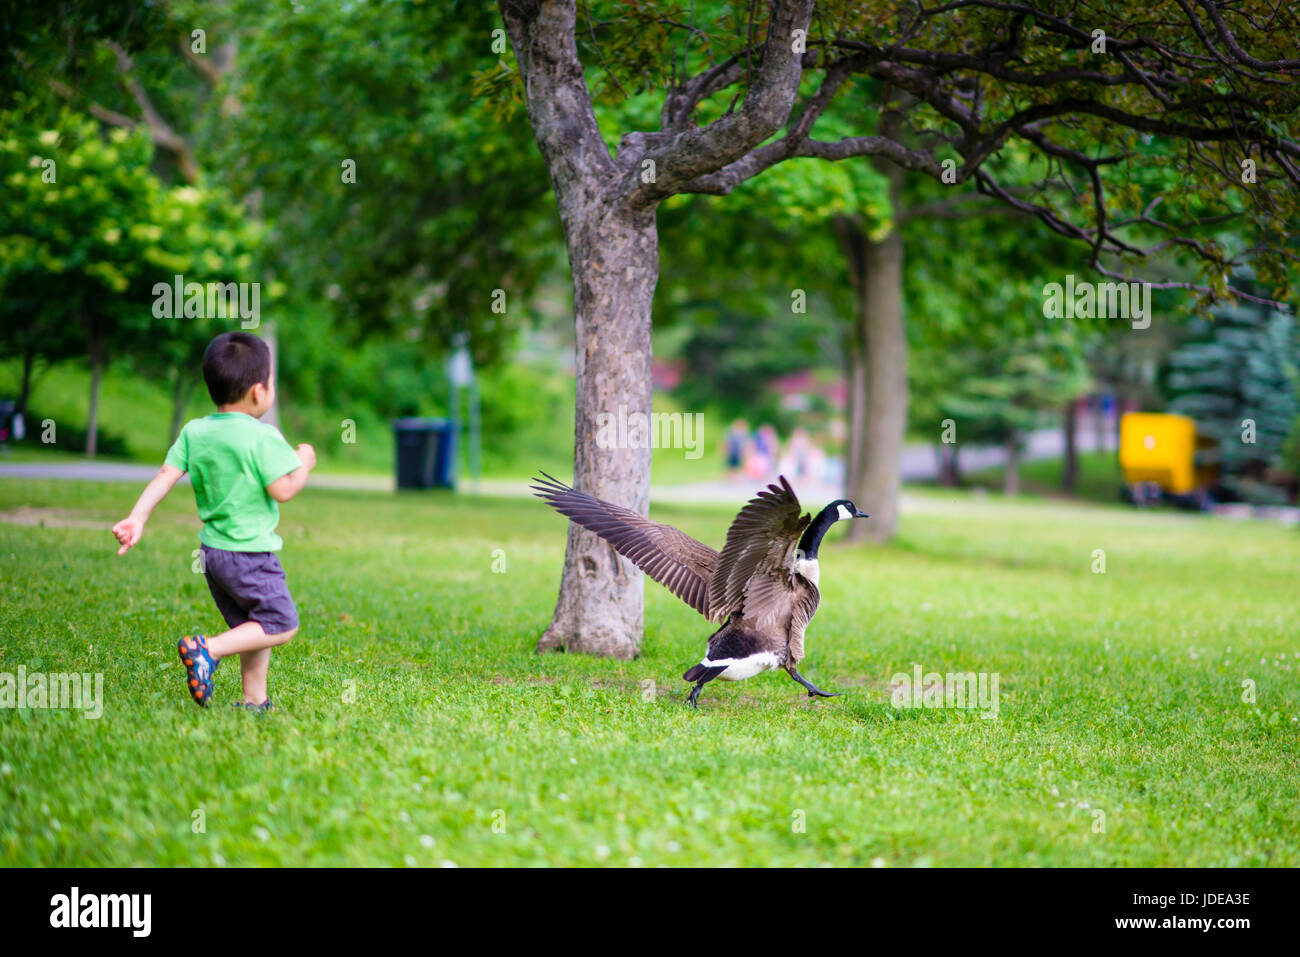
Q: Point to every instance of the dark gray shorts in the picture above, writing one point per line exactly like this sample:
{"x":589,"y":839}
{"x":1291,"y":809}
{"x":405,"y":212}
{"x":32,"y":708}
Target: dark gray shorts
{"x":250,"y":586}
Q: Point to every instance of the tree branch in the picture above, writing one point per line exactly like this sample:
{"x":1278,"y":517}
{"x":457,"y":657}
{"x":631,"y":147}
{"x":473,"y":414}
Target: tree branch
{"x":162,"y":131}
{"x":555,"y":91}
{"x":770,"y":96}
{"x":1230,"y":42}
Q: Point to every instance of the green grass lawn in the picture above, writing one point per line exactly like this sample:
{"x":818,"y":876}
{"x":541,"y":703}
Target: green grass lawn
{"x":415,"y":725}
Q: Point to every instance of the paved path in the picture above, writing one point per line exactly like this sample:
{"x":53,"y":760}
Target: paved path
{"x":919,"y":464}
{"x":128,"y":472}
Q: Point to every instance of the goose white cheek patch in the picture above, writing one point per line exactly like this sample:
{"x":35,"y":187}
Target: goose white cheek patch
{"x":844,"y":512}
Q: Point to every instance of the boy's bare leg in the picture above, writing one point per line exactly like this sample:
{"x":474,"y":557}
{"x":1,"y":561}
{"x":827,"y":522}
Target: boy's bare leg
{"x":253,"y":666}
{"x":246,"y":637}
{"x":253,"y":645}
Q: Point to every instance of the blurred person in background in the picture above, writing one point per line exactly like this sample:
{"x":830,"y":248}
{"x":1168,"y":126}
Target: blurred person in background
{"x":737,"y":441}
{"x":767,"y":447}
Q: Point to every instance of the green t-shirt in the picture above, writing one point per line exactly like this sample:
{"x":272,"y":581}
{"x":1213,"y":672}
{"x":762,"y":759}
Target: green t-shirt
{"x":231,"y":458}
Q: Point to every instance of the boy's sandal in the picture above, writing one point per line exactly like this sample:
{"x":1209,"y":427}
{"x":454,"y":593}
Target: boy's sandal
{"x":265,"y":706}
{"x":199,"y":668}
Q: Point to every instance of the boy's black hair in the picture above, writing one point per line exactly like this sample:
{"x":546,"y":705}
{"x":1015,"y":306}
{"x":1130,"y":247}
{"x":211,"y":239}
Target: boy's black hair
{"x":233,"y":363}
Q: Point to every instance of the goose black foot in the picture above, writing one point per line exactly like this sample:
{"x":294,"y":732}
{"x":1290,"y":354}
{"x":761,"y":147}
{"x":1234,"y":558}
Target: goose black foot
{"x":695,"y":696}
{"x":813,"y":690}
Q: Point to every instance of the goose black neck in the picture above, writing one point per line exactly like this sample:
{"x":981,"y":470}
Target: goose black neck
{"x":812,"y":535}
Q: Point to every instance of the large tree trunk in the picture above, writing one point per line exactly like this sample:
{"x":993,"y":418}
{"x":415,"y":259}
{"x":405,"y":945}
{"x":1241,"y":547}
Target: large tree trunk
{"x":615,"y":269}
{"x":96,"y":375}
{"x":613,"y":250}
{"x":857,"y":377}
{"x":607,"y":206}
{"x":878,"y":387}
{"x":885,"y":343}
{"x":878,"y":357}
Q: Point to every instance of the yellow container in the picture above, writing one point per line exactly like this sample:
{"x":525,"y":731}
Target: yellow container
{"x":1154,"y":447}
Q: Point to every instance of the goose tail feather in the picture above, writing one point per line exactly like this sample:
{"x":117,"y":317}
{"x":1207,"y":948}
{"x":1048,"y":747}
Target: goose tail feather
{"x":703,"y":672}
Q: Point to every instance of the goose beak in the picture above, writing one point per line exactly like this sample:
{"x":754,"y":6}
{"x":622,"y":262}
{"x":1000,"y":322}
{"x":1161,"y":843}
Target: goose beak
{"x":860,"y":514}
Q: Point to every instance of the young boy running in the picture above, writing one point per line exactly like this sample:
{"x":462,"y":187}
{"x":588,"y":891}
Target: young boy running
{"x":240,"y":469}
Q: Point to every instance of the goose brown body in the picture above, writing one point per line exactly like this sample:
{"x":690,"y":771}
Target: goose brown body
{"x":761,"y":586}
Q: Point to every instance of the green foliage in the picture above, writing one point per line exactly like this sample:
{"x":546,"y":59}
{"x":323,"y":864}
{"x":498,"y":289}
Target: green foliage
{"x":527,"y":409}
{"x":1153,"y":184}
{"x":1235,"y":376}
{"x":89,"y":235}
{"x":1000,"y":393}
{"x":408,"y":256}
{"x":805,"y":194}
{"x":75,"y":228}
{"x":730,"y":357}
{"x":86,"y":232}
{"x":134,"y":409}
{"x":61,"y":38}
{"x":527,"y":417}
{"x":449,"y":202}
{"x":1098,"y":478}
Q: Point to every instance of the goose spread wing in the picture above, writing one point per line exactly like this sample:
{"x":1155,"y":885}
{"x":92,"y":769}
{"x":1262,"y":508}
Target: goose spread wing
{"x":755,"y":570}
{"x":672,"y":558}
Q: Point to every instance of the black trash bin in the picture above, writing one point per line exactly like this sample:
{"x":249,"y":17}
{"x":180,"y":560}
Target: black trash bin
{"x":426,"y":453}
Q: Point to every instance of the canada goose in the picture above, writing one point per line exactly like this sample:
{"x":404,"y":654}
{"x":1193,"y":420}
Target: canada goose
{"x":763,"y":585}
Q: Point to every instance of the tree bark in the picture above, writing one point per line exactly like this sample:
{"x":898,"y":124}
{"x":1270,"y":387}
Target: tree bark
{"x":613,"y":251}
{"x":884,"y":341}
{"x":1011,"y":472}
{"x":615,"y":268}
{"x":853,"y":242}
{"x":878,"y":353}
{"x":607,"y":209}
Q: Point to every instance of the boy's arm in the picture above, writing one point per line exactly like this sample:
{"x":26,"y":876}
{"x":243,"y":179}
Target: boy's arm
{"x":129,"y":530}
{"x":289,"y":485}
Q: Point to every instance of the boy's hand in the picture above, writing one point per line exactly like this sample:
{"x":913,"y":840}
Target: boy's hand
{"x":291,"y":483}
{"x":128,"y":532}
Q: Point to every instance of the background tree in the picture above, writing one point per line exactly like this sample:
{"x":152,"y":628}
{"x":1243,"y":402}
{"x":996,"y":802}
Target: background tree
{"x":731,"y":356}
{"x":975,"y":77}
{"x":74,"y":239}
{"x":407,"y":204}
{"x":400,"y":217}
{"x":1009,"y":390}
{"x":1236,"y":376}
{"x":961,"y":315}
{"x":86,"y":233}
{"x":203,"y":235}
